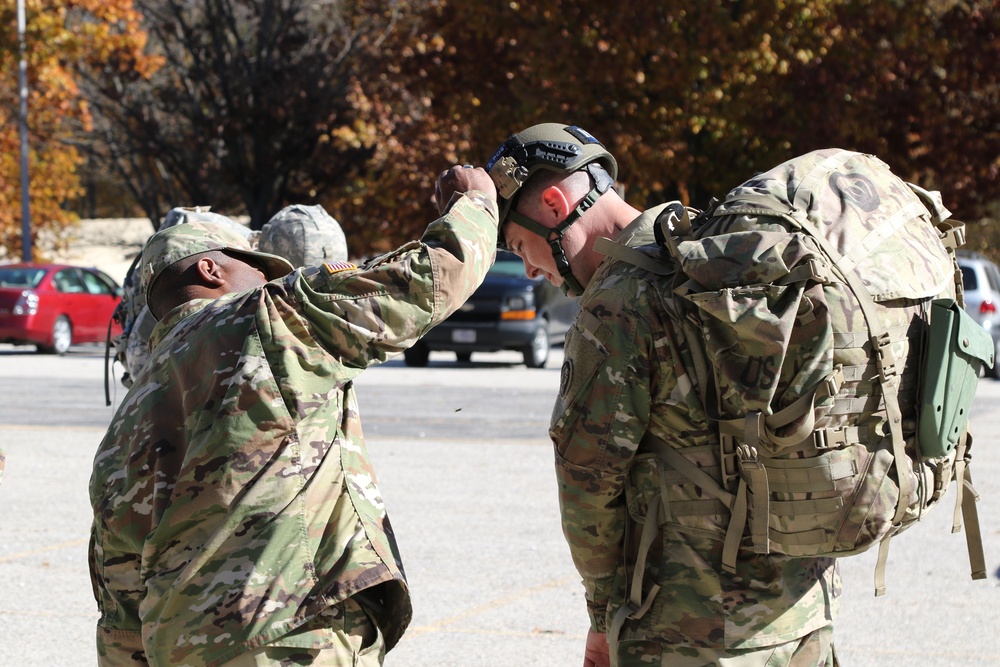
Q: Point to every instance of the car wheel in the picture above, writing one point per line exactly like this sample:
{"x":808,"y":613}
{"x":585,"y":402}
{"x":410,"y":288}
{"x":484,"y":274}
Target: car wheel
{"x":995,"y":371}
{"x":537,"y":352}
{"x":418,"y":355}
{"x":463,"y":357}
{"x":62,"y":337}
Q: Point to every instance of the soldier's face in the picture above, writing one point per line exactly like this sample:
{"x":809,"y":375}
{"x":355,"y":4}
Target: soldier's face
{"x":534,"y":251}
{"x":243,"y":274}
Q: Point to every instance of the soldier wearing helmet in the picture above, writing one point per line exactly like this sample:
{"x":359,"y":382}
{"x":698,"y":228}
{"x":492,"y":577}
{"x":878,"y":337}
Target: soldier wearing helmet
{"x":541,"y":155}
{"x":658,"y":596}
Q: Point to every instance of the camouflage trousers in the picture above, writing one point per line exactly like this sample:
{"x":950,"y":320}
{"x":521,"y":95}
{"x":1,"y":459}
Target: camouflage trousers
{"x":356,"y":642}
{"x":813,"y":650}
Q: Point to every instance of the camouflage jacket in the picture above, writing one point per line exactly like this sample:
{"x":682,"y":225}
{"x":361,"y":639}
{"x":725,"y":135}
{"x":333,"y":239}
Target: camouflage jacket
{"x":626,"y":374}
{"x":233,"y":494}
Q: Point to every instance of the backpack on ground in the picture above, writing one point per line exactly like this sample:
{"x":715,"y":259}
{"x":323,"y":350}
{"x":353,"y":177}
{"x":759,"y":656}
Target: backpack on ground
{"x":823,"y":306}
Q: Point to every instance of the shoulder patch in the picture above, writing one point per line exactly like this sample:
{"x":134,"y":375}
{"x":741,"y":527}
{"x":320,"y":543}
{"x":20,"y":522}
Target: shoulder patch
{"x":338,"y":266}
{"x":566,"y":376}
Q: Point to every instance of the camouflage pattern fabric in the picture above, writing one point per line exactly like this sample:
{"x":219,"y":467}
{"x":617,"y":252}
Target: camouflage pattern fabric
{"x":234,"y":497}
{"x":787,"y":305}
{"x":628,"y":371}
{"x":813,"y":650}
{"x":180,"y":215}
{"x":136,"y":345}
{"x":169,"y":246}
{"x":304,"y":235}
{"x":354,"y":641}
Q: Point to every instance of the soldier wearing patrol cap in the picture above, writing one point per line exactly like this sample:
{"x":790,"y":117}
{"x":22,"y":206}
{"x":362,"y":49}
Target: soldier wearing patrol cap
{"x":131,"y":347}
{"x":237,"y":520}
{"x":304,"y":235}
{"x":167,"y":258}
{"x":659,"y":596}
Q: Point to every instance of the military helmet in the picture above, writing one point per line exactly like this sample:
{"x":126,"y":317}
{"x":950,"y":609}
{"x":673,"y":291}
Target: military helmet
{"x":551,"y":146}
{"x":554,"y":147}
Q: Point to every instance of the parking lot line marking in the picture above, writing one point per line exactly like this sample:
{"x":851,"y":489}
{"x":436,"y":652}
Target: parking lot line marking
{"x":438,"y":626}
{"x":52,"y":547}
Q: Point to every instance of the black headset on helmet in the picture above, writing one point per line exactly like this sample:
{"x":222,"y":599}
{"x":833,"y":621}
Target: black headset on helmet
{"x":553,"y":147}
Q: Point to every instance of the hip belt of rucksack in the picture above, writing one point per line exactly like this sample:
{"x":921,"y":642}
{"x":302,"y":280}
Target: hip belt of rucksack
{"x":754,"y":484}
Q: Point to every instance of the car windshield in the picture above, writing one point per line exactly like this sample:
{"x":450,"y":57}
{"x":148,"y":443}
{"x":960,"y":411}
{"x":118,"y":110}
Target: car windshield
{"x":20,"y":277}
{"x":507,"y":264}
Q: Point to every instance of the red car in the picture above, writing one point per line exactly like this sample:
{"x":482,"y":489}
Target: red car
{"x":55,"y":305}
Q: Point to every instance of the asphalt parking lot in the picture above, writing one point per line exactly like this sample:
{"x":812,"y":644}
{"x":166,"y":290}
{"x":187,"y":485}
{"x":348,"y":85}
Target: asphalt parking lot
{"x":466,"y":471}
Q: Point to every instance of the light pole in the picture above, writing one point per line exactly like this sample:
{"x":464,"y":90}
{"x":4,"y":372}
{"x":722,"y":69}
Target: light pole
{"x":22,"y":77}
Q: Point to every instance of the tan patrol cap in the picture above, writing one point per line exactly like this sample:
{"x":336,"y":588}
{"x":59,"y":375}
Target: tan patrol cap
{"x":169,"y":246}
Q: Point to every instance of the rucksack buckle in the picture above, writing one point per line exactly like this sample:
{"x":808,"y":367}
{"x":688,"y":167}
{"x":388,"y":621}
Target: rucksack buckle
{"x":886,"y":360}
{"x":833,"y":382}
{"x":829,"y":438}
{"x":748,"y":457}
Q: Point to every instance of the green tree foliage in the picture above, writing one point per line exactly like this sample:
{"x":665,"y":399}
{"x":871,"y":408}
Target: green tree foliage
{"x":60,"y":35}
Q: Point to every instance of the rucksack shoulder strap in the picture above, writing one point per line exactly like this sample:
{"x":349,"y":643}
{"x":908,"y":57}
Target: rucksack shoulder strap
{"x":623,"y":253}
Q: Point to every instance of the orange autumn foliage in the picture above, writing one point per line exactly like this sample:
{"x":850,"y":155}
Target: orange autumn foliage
{"x":60,"y":36}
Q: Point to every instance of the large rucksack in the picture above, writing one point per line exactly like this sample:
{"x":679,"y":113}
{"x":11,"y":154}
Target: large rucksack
{"x":823,"y":307}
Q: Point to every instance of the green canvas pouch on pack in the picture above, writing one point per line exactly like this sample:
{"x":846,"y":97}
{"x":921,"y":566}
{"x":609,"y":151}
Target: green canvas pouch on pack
{"x":957,"y":349}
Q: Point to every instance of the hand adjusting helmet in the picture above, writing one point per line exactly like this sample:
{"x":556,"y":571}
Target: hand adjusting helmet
{"x":558,"y":148}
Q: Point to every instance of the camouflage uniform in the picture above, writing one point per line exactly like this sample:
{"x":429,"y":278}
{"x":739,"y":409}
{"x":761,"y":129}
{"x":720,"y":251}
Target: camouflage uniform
{"x":233,"y":495}
{"x":628,"y":372}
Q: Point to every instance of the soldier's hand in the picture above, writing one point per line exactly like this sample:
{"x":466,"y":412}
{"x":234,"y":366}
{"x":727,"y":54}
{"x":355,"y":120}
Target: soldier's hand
{"x":597,"y":652}
{"x":461,"y":178}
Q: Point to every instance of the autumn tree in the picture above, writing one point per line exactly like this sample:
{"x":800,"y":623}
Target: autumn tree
{"x":695,"y":97}
{"x":915,"y":83}
{"x":359,"y":104}
{"x":60,"y":35}
{"x":255,"y":107}
{"x":668,"y":86}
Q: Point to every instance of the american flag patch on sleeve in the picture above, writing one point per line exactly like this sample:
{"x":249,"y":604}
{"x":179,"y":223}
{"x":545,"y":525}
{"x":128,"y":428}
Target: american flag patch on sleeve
{"x":338,"y":266}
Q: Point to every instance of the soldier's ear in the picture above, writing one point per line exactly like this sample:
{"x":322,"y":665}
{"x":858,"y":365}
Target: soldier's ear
{"x":210,"y":272}
{"x":555,"y":205}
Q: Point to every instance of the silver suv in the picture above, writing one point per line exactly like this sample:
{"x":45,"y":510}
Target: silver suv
{"x":981,"y":279}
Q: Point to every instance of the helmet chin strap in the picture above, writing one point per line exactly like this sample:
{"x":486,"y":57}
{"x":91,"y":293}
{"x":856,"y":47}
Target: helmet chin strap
{"x":603,"y":183}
